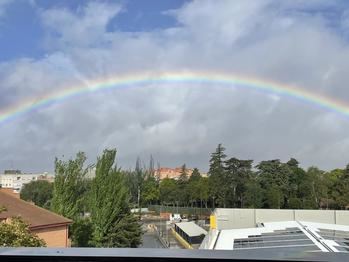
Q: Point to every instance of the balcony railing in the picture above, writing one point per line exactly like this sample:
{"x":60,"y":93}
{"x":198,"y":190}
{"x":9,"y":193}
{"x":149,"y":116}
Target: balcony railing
{"x":156,"y":255}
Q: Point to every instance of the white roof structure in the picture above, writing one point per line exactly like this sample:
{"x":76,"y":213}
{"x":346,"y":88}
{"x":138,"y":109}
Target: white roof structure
{"x":335,"y":237}
{"x":191,"y":229}
{"x":297,"y":236}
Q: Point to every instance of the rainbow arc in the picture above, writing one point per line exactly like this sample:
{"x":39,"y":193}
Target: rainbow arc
{"x":142,"y":79}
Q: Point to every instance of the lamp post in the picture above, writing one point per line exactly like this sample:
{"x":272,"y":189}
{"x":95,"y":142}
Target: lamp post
{"x":139,"y":207}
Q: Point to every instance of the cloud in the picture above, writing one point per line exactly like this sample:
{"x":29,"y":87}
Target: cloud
{"x":285,"y":41}
{"x":84,"y":27}
{"x":3,"y":6}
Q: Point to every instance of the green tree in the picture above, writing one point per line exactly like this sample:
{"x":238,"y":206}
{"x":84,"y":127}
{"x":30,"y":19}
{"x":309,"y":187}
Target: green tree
{"x":85,"y":191}
{"x":113,"y":223}
{"x":39,"y":192}
{"x":168,"y":191}
{"x":81,"y":232}
{"x":274,"y":197}
{"x":273,"y":177}
{"x":301,"y":187}
{"x":182,"y":187}
{"x":140,"y":175}
{"x":237,"y":175}
{"x":150,"y":194}
{"x":295,"y":203}
{"x":71,"y":196}
{"x":143,"y":184}
{"x":295,"y":179}
{"x":320,"y":186}
{"x":193,"y":187}
{"x":342,"y":189}
{"x":204,"y":191}
{"x":16,"y":233}
{"x":195,"y":176}
{"x":218,"y":187}
{"x":253,"y":194}
{"x":183,"y":177}
{"x":68,"y":189}
{"x":334,"y":192}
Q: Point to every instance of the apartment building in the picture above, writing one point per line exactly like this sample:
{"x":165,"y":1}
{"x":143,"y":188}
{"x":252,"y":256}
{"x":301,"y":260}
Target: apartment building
{"x":174,"y":173}
{"x":14,"y":179}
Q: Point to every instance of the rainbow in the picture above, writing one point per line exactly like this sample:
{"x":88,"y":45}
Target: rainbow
{"x":140,"y":79}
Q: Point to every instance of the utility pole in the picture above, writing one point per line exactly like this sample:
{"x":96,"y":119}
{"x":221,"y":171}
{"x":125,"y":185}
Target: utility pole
{"x":160,"y":225}
{"x":139,"y":207}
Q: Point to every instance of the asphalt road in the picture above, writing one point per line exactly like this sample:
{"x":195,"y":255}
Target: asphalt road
{"x":150,"y":240}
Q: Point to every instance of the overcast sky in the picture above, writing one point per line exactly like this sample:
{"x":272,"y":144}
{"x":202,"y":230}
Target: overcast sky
{"x":49,"y":45}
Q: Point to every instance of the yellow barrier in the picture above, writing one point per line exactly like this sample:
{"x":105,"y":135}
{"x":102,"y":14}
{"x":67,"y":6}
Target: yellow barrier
{"x":213,"y":222}
{"x":181,"y":240}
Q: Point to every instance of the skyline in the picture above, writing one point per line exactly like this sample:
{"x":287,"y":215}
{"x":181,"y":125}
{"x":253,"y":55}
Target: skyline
{"x":60,"y":44}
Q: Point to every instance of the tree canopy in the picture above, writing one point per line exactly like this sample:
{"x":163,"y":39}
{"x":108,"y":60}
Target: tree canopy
{"x":239,"y":183}
{"x":39,"y":192}
{"x":113,"y":223}
{"x":68,"y":190}
{"x":16,"y":233}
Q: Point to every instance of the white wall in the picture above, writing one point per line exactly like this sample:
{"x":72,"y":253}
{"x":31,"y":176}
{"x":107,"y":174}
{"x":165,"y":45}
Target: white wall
{"x":247,"y":218}
{"x":16,"y":181}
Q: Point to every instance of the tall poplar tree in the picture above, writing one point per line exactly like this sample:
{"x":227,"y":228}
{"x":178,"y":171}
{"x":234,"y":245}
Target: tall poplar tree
{"x":113,"y":223}
{"x":68,"y":189}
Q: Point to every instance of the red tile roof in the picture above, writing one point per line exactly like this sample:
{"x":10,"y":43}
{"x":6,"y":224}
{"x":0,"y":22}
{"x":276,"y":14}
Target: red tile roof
{"x":35,"y":216}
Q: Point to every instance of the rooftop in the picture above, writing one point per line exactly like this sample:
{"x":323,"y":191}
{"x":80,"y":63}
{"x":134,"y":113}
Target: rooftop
{"x":35,"y":216}
{"x":191,"y":229}
{"x":284,"y":236}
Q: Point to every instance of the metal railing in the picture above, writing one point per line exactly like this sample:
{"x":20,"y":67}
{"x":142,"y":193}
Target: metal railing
{"x":157,"y":255}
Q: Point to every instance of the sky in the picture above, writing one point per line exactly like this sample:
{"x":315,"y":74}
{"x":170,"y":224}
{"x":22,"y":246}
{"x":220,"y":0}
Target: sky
{"x":47,"y":46}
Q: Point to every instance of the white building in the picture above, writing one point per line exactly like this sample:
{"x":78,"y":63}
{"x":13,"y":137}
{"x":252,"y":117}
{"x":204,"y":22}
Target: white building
{"x":286,"y":236}
{"x":276,"y":232}
{"x":17,"y":180}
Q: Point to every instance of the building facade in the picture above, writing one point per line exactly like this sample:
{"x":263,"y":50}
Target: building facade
{"x":16,"y":180}
{"x":173,"y":173}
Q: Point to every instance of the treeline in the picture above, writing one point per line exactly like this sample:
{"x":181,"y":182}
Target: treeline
{"x":147,"y":188}
{"x":100,"y":206}
{"x":238,"y":183}
{"x":273,"y":184}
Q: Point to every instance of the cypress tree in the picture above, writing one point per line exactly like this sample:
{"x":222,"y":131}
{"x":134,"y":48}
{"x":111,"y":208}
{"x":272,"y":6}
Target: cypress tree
{"x":216,"y":173}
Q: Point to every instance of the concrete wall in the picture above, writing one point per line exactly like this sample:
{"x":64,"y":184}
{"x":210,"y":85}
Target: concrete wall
{"x":54,"y":236}
{"x":318,"y":216}
{"x":274,"y":215}
{"x":342,"y":217}
{"x":245,"y":218}
{"x":235,"y":218}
